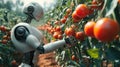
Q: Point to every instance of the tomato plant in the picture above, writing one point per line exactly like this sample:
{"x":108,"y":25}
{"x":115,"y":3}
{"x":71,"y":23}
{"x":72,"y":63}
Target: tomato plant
{"x":95,"y":25}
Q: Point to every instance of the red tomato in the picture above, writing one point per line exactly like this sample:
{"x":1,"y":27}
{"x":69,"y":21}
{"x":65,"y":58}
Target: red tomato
{"x":74,"y":58}
{"x":89,"y":28}
{"x":82,"y":10}
{"x":75,"y":21}
{"x":63,"y":20}
{"x":106,"y":29}
{"x":80,"y":36}
{"x":57,"y":28}
{"x":70,"y":31}
{"x":75,"y":16}
{"x":60,"y":36}
{"x":3,"y":28}
{"x":119,"y":1}
{"x":55,"y":35}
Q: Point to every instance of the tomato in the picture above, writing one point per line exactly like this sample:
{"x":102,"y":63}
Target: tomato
{"x":119,"y":1}
{"x":74,"y":58}
{"x":60,"y":36}
{"x":14,"y":63}
{"x":66,"y":16}
{"x":106,"y":29}
{"x":82,"y":10}
{"x":68,"y":11}
{"x":3,"y":28}
{"x":70,"y":31}
{"x":63,"y":20}
{"x":57,"y":28}
{"x":89,"y":28}
{"x":55,"y":35}
{"x":4,"y":41}
{"x":75,"y":16}
{"x":80,"y":36}
{"x":75,"y":21}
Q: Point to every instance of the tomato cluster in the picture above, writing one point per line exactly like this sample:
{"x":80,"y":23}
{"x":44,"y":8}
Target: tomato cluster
{"x":105,"y":29}
{"x":81,"y":11}
{"x":6,"y":36}
{"x":91,"y":28}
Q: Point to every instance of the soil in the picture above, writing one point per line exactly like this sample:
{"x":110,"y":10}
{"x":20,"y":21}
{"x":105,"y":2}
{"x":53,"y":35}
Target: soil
{"x":47,"y":60}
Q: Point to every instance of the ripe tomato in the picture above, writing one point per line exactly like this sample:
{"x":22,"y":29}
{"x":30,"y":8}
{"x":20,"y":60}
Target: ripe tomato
{"x":66,"y":16}
{"x":70,"y":31}
{"x":76,"y":21}
{"x":3,"y":28}
{"x":4,"y":41}
{"x":119,"y":1}
{"x":57,"y":28}
{"x":14,"y":63}
{"x":60,"y":36}
{"x":106,"y":29}
{"x":75,"y":16}
{"x":82,"y":10}
{"x":55,"y":35}
{"x":74,"y":58}
{"x":89,"y":28}
{"x":63,"y":20}
{"x":80,"y":36}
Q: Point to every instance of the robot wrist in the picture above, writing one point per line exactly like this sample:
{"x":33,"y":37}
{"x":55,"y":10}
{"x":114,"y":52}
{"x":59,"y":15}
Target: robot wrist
{"x":71,"y":41}
{"x":40,"y":49}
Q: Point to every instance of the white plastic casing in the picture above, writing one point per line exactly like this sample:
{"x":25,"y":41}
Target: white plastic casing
{"x":35,"y":35}
{"x":38,"y":10}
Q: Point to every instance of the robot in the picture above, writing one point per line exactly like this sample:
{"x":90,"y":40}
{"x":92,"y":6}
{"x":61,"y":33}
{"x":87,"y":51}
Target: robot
{"x":28,"y":39}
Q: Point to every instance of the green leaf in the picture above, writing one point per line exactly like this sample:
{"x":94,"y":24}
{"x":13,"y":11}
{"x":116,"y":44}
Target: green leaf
{"x":109,"y":7}
{"x":94,"y":53}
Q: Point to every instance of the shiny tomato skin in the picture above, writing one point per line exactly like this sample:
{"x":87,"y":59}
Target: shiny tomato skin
{"x":82,"y":10}
{"x":89,"y":28}
{"x":75,"y":16}
{"x":70,"y":31}
{"x":57,"y":28}
{"x":55,"y":35}
{"x":80,"y":35}
{"x":106,"y":29}
{"x":63,"y":20}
